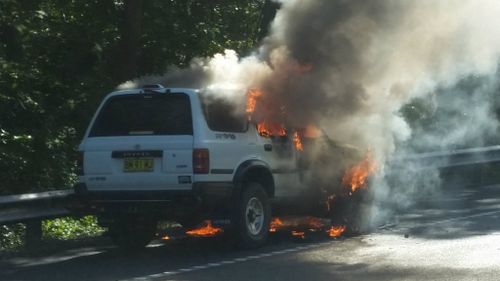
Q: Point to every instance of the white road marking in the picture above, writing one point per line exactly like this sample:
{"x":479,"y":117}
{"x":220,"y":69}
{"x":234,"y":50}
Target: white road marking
{"x":226,"y":262}
{"x":167,"y":274}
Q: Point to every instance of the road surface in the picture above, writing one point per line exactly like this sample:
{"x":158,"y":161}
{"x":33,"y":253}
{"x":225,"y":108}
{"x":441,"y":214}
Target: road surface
{"x":454,"y":236}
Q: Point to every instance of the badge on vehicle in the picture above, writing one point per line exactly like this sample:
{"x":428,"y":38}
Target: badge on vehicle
{"x":225,"y":136}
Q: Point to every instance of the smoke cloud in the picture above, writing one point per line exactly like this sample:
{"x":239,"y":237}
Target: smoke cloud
{"x":352,"y":66}
{"x":369,"y":59}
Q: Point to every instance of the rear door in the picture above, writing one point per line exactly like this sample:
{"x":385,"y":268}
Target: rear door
{"x":140,"y":142}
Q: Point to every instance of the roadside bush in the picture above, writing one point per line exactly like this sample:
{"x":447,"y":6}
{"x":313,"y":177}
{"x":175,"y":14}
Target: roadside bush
{"x":11,"y":236}
{"x":71,"y":228}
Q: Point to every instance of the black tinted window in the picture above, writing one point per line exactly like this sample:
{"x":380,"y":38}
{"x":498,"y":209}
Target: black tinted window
{"x":152,"y":114}
{"x":223,"y":116}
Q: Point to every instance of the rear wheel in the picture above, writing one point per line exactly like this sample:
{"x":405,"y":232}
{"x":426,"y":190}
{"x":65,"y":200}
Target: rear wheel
{"x":132,"y":233}
{"x":253,"y":216}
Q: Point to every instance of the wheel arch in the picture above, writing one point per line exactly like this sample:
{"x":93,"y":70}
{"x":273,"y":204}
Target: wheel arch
{"x":254,"y":170}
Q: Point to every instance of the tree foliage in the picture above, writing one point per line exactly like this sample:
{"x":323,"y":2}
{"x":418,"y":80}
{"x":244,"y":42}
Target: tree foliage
{"x":58,"y":58}
{"x":70,"y":228}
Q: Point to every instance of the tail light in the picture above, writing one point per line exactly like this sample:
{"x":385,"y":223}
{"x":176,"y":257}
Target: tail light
{"x":201,"y":161}
{"x":79,"y":164}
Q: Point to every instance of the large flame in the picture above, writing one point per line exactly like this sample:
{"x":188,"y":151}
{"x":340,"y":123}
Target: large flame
{"x":206,"y":230}
{"x":336,"y":231}
{"x":296,"y":224}
{"x":275,"y":224}
{"x":311,"y":131}
{"x":298,"y":233}
{"x":252,"y":96}
{"x":356,"y":177}
{"x":297,"y":141}
{"x":265,"y":128}
{"x":268,"y":129}
{"x":301,"y":226}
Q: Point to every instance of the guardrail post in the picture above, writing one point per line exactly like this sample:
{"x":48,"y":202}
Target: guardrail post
{"x":33,"y":232}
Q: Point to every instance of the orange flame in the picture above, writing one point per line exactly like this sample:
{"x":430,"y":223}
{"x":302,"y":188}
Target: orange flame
{"x":298,"y":227}
{"x":268,"y":129}
{"x":252,"y":97}
{"x":336,"y":231}
{"x":297,"y":233}
{"x":297,"y":141}
{"x":265,"y":128}
{"x":207,"y":230}
{"x":166,"y":237}
{"x":275,"y":224}
{"x":311,"y":131}
{"x":356,"y":176}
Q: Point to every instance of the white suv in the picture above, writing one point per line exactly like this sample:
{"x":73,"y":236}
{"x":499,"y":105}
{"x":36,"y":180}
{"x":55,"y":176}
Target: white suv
{"x":173,"y":153}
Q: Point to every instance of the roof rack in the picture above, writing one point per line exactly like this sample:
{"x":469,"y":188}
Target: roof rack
{"x":153,"y":86}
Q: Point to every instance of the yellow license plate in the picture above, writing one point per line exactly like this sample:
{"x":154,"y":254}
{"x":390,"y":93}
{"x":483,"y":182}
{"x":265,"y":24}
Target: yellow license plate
{"x":138,"y":165}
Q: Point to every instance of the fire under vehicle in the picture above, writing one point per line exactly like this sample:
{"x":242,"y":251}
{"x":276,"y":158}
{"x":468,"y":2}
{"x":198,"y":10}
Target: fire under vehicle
{"x":179,"y":154}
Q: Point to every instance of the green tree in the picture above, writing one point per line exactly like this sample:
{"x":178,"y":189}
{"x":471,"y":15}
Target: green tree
{"x":58,"y":58}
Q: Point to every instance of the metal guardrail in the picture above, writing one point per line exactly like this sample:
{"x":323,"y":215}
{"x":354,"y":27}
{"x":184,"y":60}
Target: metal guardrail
{"x":52,"y":204}
{"x":34,"y":206}
{"x":453,"y":158}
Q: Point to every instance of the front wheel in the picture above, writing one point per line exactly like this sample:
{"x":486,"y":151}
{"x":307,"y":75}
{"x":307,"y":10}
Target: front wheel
{"x":253,"y":216}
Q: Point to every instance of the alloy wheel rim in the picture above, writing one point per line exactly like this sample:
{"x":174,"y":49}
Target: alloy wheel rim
{"x":254,"y":216}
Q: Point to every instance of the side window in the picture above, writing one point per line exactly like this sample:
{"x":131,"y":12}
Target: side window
{"x":273,"y":130}
{"x":223,"y":116}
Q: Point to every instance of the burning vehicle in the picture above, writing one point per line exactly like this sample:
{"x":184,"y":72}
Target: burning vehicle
{"x":186,"y":155}
{"x":336,"y":175}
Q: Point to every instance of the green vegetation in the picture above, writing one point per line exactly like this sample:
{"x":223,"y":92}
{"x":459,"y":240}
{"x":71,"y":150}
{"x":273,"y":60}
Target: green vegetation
{"x":58,"y":59}
{"x":12,"y":236}
{"x":70,"y":228}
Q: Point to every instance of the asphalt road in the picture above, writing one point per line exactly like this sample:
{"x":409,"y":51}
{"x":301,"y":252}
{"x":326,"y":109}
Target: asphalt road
{"x":454,"y":236}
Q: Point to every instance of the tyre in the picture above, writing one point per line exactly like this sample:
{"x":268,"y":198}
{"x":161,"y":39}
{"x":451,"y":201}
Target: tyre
{"x":132,"y":233}
{"x":253,"y":216}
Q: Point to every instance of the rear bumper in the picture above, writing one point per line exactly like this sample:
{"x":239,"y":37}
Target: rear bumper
{"x":204,"y":197}
{"x":82,"y":192}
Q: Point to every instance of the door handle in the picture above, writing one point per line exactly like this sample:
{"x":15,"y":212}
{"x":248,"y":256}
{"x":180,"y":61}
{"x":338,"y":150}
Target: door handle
{"x":268,"y":147}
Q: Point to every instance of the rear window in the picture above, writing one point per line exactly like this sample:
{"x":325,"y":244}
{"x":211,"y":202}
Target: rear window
{"x":151,"y":114}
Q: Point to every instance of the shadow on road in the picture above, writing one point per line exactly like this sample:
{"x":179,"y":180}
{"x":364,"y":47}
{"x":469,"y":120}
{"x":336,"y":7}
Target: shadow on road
{"x":292,"y":269}
{"x":109,"y":263}
{"x":456,"y":213}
